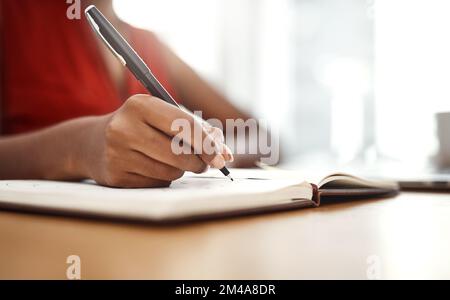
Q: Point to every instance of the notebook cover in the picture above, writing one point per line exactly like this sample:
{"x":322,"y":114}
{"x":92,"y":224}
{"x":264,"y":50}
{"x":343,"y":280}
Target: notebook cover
{"x":222,"y":215}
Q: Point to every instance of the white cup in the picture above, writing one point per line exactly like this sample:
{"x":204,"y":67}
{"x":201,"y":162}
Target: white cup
{"x":443,"y":132}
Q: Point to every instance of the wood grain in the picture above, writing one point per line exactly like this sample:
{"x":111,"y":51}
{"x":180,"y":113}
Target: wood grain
{"x":409,"y":235}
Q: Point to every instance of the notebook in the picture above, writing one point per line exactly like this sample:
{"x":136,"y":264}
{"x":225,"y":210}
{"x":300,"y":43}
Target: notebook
{"x":193,"y":197}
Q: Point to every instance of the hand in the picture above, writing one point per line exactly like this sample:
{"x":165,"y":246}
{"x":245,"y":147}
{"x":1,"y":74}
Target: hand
{"x":131,"y":148}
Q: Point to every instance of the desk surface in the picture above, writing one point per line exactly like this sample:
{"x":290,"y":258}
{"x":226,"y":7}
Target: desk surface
{"x":404,"y":237}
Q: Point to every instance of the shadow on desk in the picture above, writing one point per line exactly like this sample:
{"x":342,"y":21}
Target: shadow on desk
{"x":335,"y":200}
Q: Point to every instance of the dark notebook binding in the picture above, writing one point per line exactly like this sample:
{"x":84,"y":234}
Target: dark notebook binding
{"x":316,"y":195}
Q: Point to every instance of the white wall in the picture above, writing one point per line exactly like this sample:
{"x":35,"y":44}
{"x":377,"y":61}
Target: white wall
{"x":412,"y":75}
{"x":304,"y":65}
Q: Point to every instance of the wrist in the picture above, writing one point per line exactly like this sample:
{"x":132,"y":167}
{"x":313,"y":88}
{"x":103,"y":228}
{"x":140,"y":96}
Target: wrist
{"x":81,"y":147}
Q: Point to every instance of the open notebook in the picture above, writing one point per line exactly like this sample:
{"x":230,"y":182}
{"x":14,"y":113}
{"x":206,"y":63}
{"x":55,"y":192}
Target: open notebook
{"x":192,"y":197}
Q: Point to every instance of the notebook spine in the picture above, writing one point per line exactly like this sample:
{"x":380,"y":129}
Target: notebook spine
{"x":316,"y":195}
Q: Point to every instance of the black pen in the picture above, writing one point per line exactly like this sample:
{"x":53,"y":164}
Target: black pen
{"x":129,"y":58}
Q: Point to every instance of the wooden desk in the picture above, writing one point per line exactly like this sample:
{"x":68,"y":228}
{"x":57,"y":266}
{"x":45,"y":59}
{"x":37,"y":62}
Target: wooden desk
{"x":409,"y":236}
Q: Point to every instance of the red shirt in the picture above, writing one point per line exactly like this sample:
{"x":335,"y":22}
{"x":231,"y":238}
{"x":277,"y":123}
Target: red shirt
{"x":53,"y":70}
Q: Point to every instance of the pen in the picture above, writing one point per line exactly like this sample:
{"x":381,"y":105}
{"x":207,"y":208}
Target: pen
{"x":129,"y":58}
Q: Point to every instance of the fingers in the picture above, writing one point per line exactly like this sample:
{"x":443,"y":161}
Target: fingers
{"x":214,"y":132}
{"x":218,"y":136}
{"x":227,"y":153}
{"x":161,"y":115}
{"x":158,"y":147}
{"x":140,"y":164}
{"x":134,"y":181}
{"x":136,"y":170}
{"x":136,"y":145}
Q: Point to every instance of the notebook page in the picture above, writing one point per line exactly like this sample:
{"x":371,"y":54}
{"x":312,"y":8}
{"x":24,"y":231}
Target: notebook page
{"x":193,"y":194}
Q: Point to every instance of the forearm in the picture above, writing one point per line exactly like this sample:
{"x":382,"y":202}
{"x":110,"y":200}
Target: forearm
{"x":55,"y":153}
{"x":197,"y":94}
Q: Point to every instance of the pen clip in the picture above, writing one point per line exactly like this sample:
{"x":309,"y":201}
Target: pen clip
{"x":97,"y":30}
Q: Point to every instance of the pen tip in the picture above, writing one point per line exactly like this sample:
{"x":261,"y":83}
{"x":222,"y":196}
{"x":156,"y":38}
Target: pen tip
{"x":231,"y":178}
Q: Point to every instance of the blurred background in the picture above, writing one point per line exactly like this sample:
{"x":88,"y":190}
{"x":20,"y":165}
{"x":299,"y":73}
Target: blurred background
{"x":348,"y":82}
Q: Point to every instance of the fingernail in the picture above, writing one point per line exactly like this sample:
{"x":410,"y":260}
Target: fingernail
{"x":228,"y":152}
{"x":218,"y":162}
